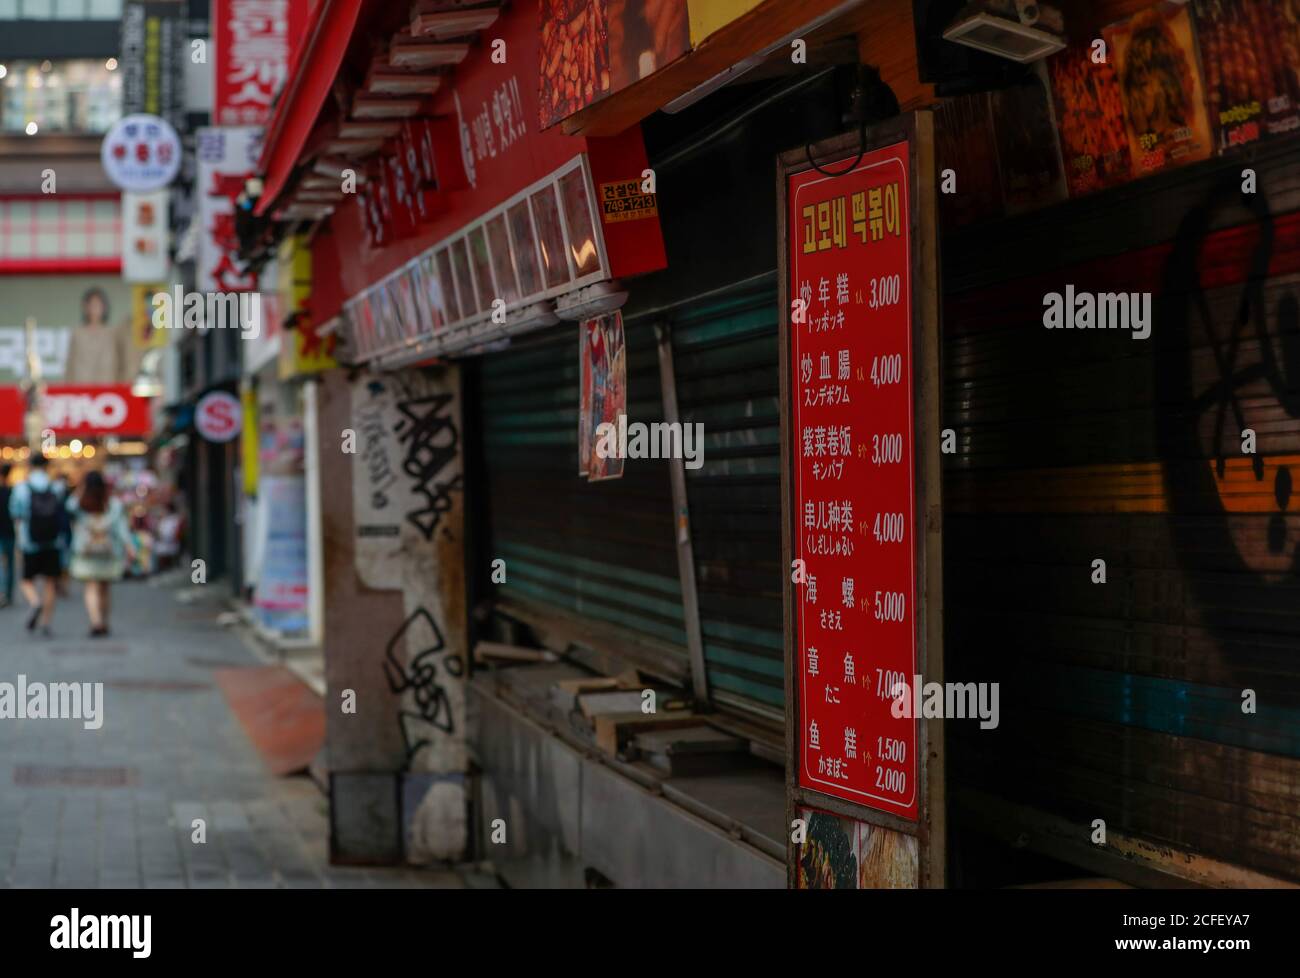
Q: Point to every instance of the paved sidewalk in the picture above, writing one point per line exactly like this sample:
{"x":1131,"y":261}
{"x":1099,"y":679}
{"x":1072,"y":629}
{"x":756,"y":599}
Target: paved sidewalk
{"x":114,"y":807}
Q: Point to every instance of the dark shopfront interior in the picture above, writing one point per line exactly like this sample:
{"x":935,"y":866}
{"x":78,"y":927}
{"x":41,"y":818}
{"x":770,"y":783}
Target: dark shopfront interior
{"x":1116,"y":699}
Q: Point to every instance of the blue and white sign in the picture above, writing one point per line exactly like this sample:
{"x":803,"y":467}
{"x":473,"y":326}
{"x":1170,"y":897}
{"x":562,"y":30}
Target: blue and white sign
{"x":141,"y":152}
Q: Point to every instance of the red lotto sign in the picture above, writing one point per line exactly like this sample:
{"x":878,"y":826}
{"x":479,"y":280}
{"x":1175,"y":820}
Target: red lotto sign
{"x":852,"y":478}
{"x":255,"y":40}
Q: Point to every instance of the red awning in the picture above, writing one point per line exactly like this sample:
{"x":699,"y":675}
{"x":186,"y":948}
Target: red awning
{"x":301,"y":102}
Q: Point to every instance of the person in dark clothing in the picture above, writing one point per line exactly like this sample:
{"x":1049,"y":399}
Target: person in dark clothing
{"x":6,"y":541}
{"x":35,"y":507}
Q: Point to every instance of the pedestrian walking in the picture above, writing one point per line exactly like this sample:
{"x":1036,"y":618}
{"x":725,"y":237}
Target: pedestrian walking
{"x":6,"y":541}
{"x":101,"y":547}
{"x":36,"y":507}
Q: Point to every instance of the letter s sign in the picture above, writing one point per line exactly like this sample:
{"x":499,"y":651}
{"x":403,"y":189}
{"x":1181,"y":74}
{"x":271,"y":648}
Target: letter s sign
{"x":218,"y":416}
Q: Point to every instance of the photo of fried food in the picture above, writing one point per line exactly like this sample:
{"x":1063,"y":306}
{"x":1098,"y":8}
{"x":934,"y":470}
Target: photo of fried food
{"x":590,"y":48}
{"x":574,"y":57}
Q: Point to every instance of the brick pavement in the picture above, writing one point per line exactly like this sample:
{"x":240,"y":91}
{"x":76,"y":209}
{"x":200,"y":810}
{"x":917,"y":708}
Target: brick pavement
{"x":114,"y":807}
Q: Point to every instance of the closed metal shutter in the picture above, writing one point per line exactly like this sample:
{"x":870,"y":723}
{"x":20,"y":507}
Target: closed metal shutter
{"x":727,"y":369}
{"x":601,"y":552}
{"x":1123,"y":700}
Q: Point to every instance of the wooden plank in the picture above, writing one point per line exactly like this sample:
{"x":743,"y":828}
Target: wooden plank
{"x":1123,"y":857}
{"x":440,"y":19}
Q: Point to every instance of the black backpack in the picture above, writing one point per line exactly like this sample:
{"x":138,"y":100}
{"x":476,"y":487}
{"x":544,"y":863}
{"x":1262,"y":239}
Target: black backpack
{"x":45,"y":521}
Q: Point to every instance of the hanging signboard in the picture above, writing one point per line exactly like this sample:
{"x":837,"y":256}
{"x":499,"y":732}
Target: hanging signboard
{"x":79,"y":410}
{"x":860,"y":474}
{"x":217,"y":416}
{"x":255,"y":41}
{"x":141,"y":153}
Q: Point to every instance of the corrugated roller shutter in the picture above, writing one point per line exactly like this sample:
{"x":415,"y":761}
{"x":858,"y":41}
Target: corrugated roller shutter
{"x":600,"y":552}
{"x":1123,"y":700}
{"x":727,"y":370}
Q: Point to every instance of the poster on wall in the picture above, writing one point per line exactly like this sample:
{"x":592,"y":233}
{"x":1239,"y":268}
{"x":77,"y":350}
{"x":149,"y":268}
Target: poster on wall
{"x":1250,"y":52}
{"x":1154,"y":52}
{"x":844,"y":854}
{"x":590,"y":49}
{"x":602,"y":354}
{"x":1090,"y":120}
{"x":1028,"y":154}
{"x":860,"y":452}
{"x":281,"y":592}
{"x":964,"y":143}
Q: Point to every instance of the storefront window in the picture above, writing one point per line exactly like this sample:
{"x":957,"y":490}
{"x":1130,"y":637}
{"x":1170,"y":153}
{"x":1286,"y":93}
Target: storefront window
{"x":550,"y":235}
{"x":502,"y":266}
{"x":521,"y":234}
{"x":60,"y":96}
{"x":447,"y":285}
{"x":478,"y":256}
{"x":464,"y":287}
{"x":577,"y":212}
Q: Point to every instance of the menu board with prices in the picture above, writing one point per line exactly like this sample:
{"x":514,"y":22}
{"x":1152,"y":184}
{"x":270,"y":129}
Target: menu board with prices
{"x":852,"y":476}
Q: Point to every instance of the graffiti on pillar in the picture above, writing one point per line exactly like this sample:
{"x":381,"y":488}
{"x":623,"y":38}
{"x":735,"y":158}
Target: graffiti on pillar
{"x":430,"y":439}
{"x":408,"y":513}
{"x":422,"y":675}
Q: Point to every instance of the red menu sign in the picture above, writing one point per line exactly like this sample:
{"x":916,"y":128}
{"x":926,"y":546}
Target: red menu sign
{"x":852,"y":478}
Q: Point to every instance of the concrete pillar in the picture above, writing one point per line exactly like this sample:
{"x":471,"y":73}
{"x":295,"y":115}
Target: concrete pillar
{"x":392,"y":516}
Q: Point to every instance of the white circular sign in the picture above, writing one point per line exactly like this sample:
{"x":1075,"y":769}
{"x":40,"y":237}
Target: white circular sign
{"x":218,"y":416}
{"x":141,"y":152}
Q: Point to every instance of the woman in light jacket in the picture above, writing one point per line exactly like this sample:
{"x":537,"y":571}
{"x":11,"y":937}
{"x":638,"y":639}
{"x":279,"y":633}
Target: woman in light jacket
{"x":101,"y":546}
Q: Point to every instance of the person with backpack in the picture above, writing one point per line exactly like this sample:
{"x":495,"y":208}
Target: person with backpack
{"x":36,"y":507}
{"x":101,"y":547}
{"x":6,"y":540}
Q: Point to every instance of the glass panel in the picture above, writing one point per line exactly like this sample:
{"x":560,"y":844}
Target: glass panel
{"x":414,"y":274}
{"x":478,"y":257}
{"x":447,"y":286}
{"x":546,"y":217}
{"x":577,"y":212}
{"x":8,"y":9}
{"x":105,"y":9}
{"x":47,"y":243}
{"x":499,"y":242}
{"x":460,"y":261}
{"x":37,"y":9}
{"x":434,"y":302}
{"x":521,"y":233}
{"x":105,"y":244}
{"x":70,"y":9}
{"x":72,"y":96}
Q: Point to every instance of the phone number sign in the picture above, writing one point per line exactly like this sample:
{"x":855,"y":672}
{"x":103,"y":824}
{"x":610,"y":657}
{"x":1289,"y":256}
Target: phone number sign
{"x":852,"y":478}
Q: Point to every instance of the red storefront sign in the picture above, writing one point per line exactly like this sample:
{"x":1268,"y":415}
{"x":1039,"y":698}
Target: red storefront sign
{"x":852,"y":478}
{"x":79,"y":409}
{"x":255,"y":41}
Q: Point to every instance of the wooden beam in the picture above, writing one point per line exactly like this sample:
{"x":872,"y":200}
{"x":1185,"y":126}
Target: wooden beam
{"x":1142,"y":862}
{"x":402,"y":83}
{"x":440,"y":20}
{"x":385,"y":108}
{"x":423,"y":54}
{"x":352,"y":129}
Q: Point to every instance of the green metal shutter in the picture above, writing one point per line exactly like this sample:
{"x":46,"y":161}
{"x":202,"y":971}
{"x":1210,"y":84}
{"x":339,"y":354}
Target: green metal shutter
{"x":595,"y":552}
{"x":727,"y":370}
